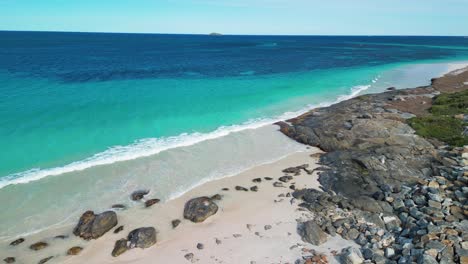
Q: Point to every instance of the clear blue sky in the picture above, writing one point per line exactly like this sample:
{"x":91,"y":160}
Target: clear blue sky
{"x":304,"y":17}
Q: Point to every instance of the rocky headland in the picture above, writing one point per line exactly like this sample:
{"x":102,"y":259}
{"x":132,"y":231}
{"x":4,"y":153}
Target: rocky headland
{"x":399,"y":195}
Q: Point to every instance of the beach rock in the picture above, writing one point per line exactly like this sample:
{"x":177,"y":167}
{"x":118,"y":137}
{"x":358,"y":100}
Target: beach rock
{"x":119,"y":206}
{"x":351,"y":255}
{"x":61,"y":237}
{"x":240,"y":188}
{"x":74,"y":250}
{"x":312,"y":233}
{"x":254,"y":188}
{"x":285,"y":178}
{"x":17,"y":242}
{"x":217,"y":241}
{"x":216,"y":197}
{"x":190,"y":257}
{"x":268,"y":178}
{"x":278,"y":184}
{"x":151,"y":202}
{"x":9,"y":260}
{"x":199,"y":209}
{"x":92,"y":226}
{"x":200,"y":246}
{"x":138,"y":195}
{"x":120,"y":247}
{"x":143,"y":237}
{"x":44,"y":260}
{"x":119,"y":229}
{"x":267,"y":227}
{"x":38,"y":246}
{"x":175,"y":223}
{"x":225,"y":189}
{"x":257,"y":180}
{"x":426,"y":259}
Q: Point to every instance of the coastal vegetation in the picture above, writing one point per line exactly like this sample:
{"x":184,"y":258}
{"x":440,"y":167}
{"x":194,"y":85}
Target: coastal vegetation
{"x":446,"y":120}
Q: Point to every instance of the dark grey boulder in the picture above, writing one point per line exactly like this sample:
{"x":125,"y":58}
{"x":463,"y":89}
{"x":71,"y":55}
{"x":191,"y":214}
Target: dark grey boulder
{"x":120,"y":247}
{"x":175,"y":223}
{"x":17,"y":242}
{"x":312,"y":233}
{"x":199,"y":209}
{"x":92,"y":226}
{"x":143,"y":237}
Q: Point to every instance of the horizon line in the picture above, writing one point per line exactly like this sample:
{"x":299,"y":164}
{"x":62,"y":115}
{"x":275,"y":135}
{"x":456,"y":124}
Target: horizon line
{"x":228,"y":34}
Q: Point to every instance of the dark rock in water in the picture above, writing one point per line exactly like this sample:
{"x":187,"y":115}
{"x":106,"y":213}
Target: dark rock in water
{"x":200,"y":246}
{"x":216,"y":197}
{"x":199,"y":209}
{"x":74,"y":251}
{"x":285,"y":178}
{"x":119,"y":206}
{"x":151,"y":202}
{"x":61,"y":237}
{"x":312,"y":233}
{"x":138,"y":195}
{"x":17,"y":242}
{"x":9,"y":260}
{"x":268,"y":178}
{"x":175,"y":223}
{"x":254,"y":188}
{"x":44,"y":260}
{"x":391,"y":89}
{"x":38,"y":246}
{"x":119,"y":229}
{"x":120,"y":247}
{"x":92,"y":226}
{"x":257,"y":180}
{"x":240,"y":188}
{"x":143,"y":237}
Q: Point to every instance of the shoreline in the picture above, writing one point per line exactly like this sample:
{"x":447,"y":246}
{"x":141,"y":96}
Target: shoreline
{"x":99,"y":251}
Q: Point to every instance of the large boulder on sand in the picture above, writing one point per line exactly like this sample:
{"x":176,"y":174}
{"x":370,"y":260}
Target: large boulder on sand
{"x":312,"y":233}
{"x":92,"y":226}
{"x":143,"y":237}
{"x":199,"y":209}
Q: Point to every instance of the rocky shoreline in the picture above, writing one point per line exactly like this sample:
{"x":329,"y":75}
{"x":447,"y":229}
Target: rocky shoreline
{"x":396,"y":196}
{"x":401,"y":197}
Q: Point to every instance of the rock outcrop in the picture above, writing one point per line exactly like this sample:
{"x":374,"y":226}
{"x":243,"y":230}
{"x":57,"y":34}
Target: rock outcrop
{"x":92,"y":226}
{"x":199,"y":209}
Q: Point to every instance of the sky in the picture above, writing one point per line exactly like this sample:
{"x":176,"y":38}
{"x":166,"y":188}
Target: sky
{"x":269,"y":17}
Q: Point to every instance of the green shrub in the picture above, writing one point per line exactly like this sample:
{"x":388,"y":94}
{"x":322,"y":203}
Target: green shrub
{"x":443,"y":128}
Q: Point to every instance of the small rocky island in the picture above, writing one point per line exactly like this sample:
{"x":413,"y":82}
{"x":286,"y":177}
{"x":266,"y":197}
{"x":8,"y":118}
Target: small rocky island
{"x":215,"y":34}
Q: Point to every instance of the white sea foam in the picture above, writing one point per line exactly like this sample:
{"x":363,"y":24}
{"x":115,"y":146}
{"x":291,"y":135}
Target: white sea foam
{"x":151,"y":146}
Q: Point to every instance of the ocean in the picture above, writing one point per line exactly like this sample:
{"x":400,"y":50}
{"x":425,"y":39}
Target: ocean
{"x":86,"y":118}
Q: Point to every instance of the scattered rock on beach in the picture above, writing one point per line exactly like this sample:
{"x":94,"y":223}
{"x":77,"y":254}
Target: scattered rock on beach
{"x":143,"y":237}
{"x":216,"y":197}
{"x":199,"y":209}
{"x":268,"y":178}
{"x":278,"y":184}
{"x":200,"y":246}
{"x":61,"y":237}
{"x":175,"y":223}
{"x":151,"y":202}
{"x":312,"y":233}
{"x":240,"y":188}
{"x":44,"y":260}
{"x":217,"y":241}
{"x":119,"y":229}
{"x":285,"y":178}
{"x":38,"y":246}
{"x":190,"y":257}
{"x":17,"y":242}
{"x":138,"y":195}
{"x":225,"y":189}
{"x":267,"y":227}
{"x":9,"y":260}
{"x":74,"y":251}
{"x":257,"y":180}
{"x":254,"y":188}
{"x":120,"y":247}
{"x":92,"y":226}
{"x":351,"y":255}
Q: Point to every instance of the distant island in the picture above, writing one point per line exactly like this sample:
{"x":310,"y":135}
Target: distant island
{"x":215,"y":34}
